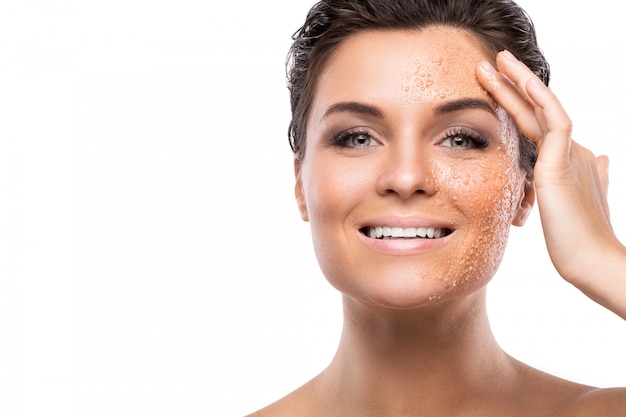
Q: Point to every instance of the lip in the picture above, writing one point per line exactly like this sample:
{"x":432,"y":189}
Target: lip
{"x":405,"y":246}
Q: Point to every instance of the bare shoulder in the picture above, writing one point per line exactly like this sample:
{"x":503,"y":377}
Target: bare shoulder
{"x":549,"y":395}
{"x":600,"y":402}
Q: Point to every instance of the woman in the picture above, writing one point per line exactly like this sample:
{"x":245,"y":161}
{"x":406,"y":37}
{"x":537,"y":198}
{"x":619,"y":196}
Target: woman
{"x":422,"y":130}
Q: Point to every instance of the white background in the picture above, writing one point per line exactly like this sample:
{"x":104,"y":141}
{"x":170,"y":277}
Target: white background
{"x":152,"y":260}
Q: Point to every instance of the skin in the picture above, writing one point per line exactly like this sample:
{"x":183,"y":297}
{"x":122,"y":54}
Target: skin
{"x":409,"y":175}
{"x":577,"y":230}
{"x":416,"y":338}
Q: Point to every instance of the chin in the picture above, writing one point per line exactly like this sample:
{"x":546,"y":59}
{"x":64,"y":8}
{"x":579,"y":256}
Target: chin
{"x":414,"y":292}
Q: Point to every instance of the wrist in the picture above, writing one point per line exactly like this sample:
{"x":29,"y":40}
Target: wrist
{"x":605,"y":279}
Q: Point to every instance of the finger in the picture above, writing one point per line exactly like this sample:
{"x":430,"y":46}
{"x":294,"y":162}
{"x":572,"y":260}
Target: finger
{"x":507,"y":95}
{"x":554,"y":118}
{"x":603,"y":173}
{"x":516,"y":71}
{"x":602,"y":162}
{"x":534,"y":91}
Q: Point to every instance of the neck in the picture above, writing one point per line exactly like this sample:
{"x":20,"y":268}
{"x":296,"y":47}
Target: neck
{"x":407,"y":359}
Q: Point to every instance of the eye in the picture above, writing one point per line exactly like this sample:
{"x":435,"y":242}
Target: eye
{"x":462,"y":139}
{"x":354,"y":139}
{"x":360,"y":140}
{"x":458,"y":141}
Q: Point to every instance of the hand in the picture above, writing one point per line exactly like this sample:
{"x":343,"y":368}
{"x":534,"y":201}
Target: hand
{"x":571,"y":185}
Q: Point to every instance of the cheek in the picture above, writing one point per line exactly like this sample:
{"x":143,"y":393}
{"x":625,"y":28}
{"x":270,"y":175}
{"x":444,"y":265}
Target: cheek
{"x":487,"y":193}
{"x":486,"y":190}
{"x":332,"y":189}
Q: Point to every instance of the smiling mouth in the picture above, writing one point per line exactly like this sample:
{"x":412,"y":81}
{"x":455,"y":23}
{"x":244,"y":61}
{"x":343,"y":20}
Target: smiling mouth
{"x":387,"y":232}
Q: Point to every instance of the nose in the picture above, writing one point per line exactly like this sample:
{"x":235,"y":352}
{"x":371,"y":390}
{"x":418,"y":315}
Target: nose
{"x":407,"y":172}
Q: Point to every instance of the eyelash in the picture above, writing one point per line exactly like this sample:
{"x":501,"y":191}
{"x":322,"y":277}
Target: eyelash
{"x":477,"y":141}
{"x":342,"y":139}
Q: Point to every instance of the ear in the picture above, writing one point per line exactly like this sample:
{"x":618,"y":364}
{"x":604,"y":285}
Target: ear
{"x":300,"y":197}
{"x":527,"y":201}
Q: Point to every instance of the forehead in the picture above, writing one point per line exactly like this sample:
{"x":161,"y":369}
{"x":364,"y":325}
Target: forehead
{"x":410,"y":66}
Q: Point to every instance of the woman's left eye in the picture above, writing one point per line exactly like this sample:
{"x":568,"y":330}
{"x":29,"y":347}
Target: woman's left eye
{"x":464,"y":141}
{"x":360,"y":140}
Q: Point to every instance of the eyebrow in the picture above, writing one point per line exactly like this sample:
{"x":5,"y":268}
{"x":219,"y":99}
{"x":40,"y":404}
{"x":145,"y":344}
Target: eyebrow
{"x":446,"y":108}
{"x":353,"y":107}
{"x":465,"y":103}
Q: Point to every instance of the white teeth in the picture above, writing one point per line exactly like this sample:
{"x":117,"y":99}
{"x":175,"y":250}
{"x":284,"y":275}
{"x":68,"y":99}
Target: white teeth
{"x":397,"y":232}
{"x":379,"y":232}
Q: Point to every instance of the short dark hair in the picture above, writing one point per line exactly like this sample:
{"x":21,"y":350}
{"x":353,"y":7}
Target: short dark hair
{"x":500,"y":24}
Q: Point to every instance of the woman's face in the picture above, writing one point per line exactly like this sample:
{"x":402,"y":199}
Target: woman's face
{"x":411,"y":177}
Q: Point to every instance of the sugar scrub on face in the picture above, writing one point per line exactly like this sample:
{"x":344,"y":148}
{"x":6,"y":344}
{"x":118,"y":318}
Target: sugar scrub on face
{"x":379,"y":156}
{"x":502,"y":184}
{"x":440,"y":76}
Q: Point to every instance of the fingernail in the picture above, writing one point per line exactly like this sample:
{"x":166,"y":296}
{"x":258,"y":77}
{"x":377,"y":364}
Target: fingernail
{"x":509,"y":56}
{"x":535,"y":84}
{"x":486,"y":65}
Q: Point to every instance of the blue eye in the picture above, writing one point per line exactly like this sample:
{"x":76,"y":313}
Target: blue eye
{"x":464,"y":140}
{"x":359,"y":140}
{"x":460,"y":142}
{"x":354,"y":139}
